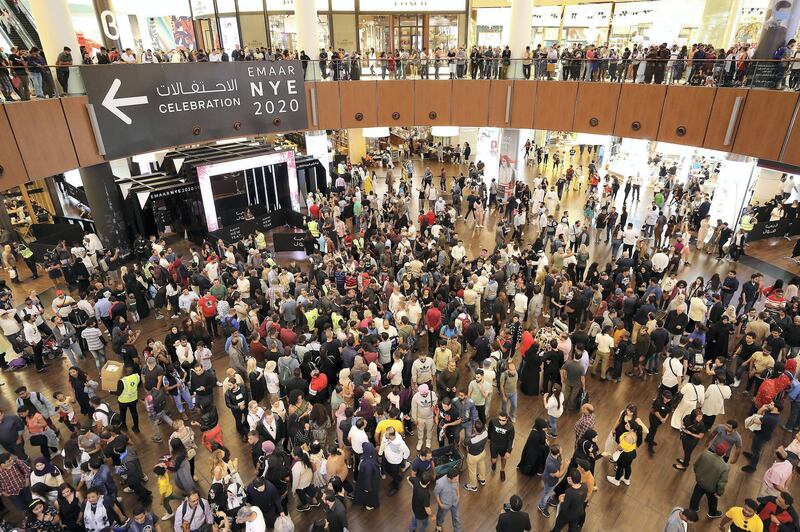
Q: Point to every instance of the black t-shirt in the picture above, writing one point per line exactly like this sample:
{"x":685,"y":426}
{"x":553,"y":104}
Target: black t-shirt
{"x":513,"y":522}
{"x":420,"y":499}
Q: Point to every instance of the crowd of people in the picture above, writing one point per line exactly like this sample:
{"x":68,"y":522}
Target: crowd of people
{"x":24,"y":69}
{"x":391,"y":333}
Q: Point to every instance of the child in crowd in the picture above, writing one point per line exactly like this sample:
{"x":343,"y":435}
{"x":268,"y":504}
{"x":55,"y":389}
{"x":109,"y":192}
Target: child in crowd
{"x":66,"y":413}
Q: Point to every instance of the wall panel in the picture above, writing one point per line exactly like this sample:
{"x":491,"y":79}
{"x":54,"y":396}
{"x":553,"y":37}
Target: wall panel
{"x":80,"y":129}
{"x":328,"y":106}
{"x":555,"y":105}
{"x":396,"y":96}
{"x":471,"y":103}
{"x":721,"y":117}
{"x":359,"y":101}
{"x":596,"y":108}
{"x":523,"y":99}
{"x":639,"y":111}
{"x":765,"y":123}
{"x":791,"y":154}
{"x":498,"y":98}
{"x":432,"y":99}
{"x":685,"y":115}
{"x":40,"y":128}
{"x":14,"y":172}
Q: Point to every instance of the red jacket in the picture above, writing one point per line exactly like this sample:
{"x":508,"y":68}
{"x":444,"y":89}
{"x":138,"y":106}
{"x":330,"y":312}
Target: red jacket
{"x":433,"y":319}
{"x":771,"y":388}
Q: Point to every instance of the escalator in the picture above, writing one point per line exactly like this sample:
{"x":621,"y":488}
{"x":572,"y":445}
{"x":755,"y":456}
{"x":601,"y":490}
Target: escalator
{"x":22,"y":31}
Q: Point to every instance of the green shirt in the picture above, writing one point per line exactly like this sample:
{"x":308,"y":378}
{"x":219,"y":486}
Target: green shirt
{"x":475,"y":392}
{"x":219,"y":292}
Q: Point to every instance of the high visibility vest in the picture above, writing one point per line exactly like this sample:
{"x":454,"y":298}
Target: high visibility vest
{"x":129,"y":389}
{"x":313,"y":227}
{"x":746,"y":222}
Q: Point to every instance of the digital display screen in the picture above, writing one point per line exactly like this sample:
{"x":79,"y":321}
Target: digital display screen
{"x":207,"y":172}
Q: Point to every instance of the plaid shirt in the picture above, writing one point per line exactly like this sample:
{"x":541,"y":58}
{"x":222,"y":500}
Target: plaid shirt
{"x":14,"y":479}
{"x":584,"y":423}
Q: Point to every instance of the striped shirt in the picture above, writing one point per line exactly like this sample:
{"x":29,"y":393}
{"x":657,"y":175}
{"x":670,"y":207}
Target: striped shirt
{"x":92,"y":336}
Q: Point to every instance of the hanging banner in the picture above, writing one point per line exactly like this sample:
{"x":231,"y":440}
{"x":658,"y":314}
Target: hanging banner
{"x":138,"y":108}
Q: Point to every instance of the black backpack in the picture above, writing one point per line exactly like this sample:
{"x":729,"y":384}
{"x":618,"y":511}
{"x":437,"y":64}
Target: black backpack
{"x":114,"y":418}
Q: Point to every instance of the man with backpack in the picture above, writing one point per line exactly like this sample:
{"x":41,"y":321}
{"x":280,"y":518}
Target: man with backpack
{"x":194,"y":513}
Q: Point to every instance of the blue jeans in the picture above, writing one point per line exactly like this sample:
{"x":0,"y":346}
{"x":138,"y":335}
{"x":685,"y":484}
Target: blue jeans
{"x":546,"y":494}
{"x":36,"y":78}
{"x":441,"y":514}
{"x":553,"y":423}
{"x":794,"y":415}
{"x":418,"y":525}
{"x":509,"y":406}
{"x":183,"y":397}
{"x":73,"y":353}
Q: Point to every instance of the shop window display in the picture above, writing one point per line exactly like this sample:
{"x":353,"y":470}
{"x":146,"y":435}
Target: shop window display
{"x":373,"y":33}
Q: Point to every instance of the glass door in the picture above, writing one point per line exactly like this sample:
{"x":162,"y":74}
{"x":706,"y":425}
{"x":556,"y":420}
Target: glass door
{"x":408,"y":32}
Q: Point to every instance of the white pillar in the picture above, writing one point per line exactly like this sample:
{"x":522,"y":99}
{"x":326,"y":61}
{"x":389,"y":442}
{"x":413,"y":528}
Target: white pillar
{"x":305,"y":18}
{"x":54,"y":26}
{"x":519,"y":34}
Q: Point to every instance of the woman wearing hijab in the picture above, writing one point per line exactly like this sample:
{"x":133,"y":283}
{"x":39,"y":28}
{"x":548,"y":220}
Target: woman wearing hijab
{"x":46,"y":473}
{"x":278,"y":472}
{"x":535,"y":451}
{"x":529,"y":375}
{"x":369,"y":479}
{"x":587,"y":449}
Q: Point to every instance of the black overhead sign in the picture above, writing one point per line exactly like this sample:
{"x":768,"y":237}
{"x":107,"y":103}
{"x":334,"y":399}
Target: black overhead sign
{"x":139,"y":108}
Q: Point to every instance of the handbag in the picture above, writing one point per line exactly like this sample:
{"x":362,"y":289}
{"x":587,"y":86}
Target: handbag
{"x":284,"y":524}
{"x":753,"y":423}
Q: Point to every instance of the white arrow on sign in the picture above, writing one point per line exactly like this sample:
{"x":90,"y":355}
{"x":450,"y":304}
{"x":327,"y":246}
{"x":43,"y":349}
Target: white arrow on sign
{"x":113,"y":104}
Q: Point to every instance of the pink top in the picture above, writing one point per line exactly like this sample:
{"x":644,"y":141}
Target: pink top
{"x":777,"y":475}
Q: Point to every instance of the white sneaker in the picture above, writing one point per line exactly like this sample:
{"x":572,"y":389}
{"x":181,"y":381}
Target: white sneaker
{"x":419,"y":446}
{"x":167,"y":517}
{"x":128,"y":490}
{"x":736,"y":383}
{"x":219,"y":384}
{"x":612,"y":480}
{"x":627,"y":481}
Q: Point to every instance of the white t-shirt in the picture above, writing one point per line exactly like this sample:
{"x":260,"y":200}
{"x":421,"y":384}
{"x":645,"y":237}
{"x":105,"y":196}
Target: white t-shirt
{"x":673,"y":371}
{"x":555,"y":406}
{"x":258,"y":524}
{"x":604,"y":343}
{"x":520,"y":302}
{"x":100,"y":415}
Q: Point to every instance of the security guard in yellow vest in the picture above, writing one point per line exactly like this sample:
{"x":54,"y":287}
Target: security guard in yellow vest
{"x":27,"y":255}
{"x":313,"y":228}
{"x":746,"y":223}
{"x":128,"y":397}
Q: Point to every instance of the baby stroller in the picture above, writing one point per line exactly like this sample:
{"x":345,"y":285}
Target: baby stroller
{"x":446,"y":459}
{"x":50,"y":349}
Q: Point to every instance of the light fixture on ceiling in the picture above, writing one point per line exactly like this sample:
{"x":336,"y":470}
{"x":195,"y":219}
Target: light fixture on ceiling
{"x":375,"y":132}
{"x":444,"y":131}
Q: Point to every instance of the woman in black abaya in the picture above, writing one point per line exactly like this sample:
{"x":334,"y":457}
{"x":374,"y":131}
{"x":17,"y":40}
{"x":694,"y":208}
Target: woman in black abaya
{"x":535,"y":451}
{"x":369,"y":479}
{"x":529,"y":374}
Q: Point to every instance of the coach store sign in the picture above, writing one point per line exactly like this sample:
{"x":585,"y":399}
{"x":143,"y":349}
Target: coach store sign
{"x":418,"y":6}
{"x":138,"y":108}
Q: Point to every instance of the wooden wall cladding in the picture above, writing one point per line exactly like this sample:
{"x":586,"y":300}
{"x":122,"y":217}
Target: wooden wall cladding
{"x":471,"y":103}
{"x":13,"y":168}
{"x":432,"y":100}
{"x":498,"y":100}
{"x":721,"y":116}
{"x":43,"y":138}
{"x":555,"y":105}
{"x":596,"y":108}
{"x":359,"y":101}
{"x":523,"y":99}
{"x":328,"y":116}
{"x":639,"y":111}
{"x":396,"y":103}
{"x":791,"y":154}
{"x":80,"y":129}
{"x":685,"y":115}
{"x":765,"y":123}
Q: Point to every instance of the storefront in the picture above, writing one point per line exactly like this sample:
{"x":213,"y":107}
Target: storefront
{"x":380,"y":25}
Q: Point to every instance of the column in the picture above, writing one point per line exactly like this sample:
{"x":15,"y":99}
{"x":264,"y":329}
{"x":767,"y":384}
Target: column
{"x":305,"y":19}
{"x":105,"y":200}
{"x":107,"y":20}
{"x":317,"y":146}
{"x":717,"y":24}
{"x":783,"y":19}
{"x":356,"y":144}
{"x":54,"y":26}
{"x":519,"y":34}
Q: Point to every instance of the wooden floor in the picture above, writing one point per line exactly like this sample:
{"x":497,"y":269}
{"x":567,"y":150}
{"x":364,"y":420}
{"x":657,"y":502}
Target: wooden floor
{"x":656,"y":487}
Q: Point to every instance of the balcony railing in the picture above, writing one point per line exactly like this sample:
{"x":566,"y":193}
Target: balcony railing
{"x":21,"y":82}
